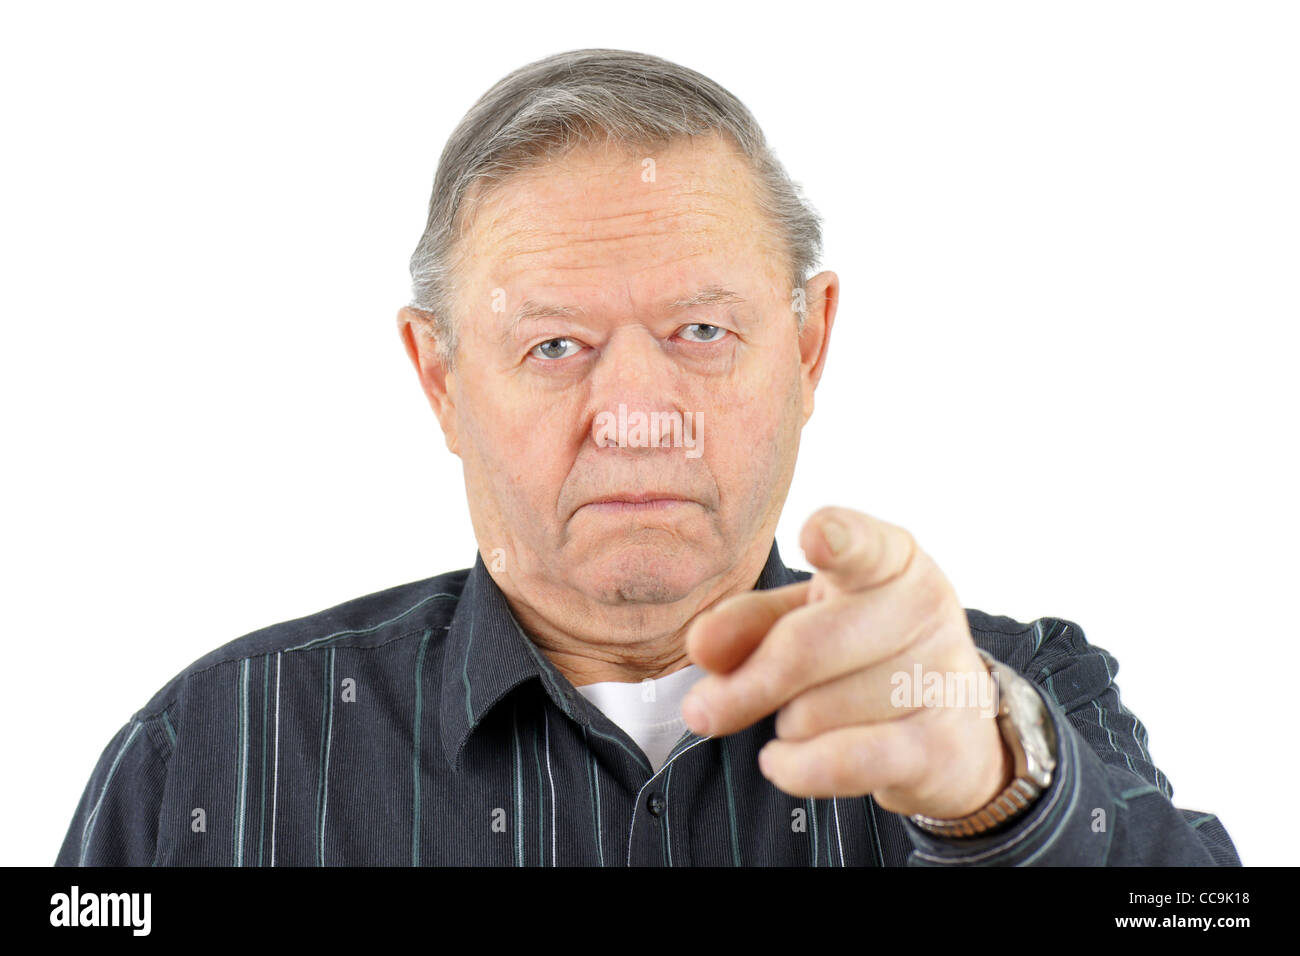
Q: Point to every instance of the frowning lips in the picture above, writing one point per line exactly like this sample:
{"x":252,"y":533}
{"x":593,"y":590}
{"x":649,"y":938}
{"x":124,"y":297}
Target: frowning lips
{"x":634,"y":501}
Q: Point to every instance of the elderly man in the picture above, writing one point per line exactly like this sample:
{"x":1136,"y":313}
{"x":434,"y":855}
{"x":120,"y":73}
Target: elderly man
{"x":614,"y":325}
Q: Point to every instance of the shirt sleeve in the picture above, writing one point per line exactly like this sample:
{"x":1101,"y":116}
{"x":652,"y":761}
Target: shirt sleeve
{"x":116,"y":821}
{"x":1108,"y":804}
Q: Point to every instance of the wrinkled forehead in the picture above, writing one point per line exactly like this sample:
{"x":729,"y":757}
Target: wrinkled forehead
{"x":599,"y":211}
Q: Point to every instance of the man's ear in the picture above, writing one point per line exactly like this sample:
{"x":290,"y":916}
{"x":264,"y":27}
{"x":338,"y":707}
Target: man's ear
{"x":415,"y":327}
{"x":823,"y":299}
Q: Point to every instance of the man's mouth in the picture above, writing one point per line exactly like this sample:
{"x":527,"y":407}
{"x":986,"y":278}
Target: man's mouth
{"x":628,"y":502}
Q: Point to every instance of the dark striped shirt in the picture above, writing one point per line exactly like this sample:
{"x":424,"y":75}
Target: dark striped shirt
{"x":420,"y":726}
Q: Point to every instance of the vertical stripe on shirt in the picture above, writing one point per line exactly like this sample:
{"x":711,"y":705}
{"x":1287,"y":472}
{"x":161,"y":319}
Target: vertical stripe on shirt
{"x":241,"y":775}
{"x":326,"y":701}
{"x":275,"y":777}
{"x":593,"y":783}
{"x":873,"y":831}
{"x":541,"y":804}
{"x":89,"y":828}
{"x":668,"y":799}
{"x":517,"y":781}
{"x":415,"y":748}
{"x":835,"y":805}
{"x":731,"y":803}
{"x":329,"y":746}
{"x":546,"y":723}
{"x":261,"y":779}
{"x":812,"y":830}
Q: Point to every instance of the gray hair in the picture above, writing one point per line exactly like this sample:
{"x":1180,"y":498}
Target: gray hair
{"x":551,"y":105}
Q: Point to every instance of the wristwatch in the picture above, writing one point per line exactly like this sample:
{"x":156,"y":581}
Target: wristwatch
{"x":1026,"y":726}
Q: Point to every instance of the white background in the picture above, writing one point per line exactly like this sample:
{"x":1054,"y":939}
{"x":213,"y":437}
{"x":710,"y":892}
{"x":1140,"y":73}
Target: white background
{"x":1064,"y":358}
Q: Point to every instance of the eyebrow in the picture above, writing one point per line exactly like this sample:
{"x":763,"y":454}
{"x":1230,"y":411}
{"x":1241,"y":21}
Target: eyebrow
{"x":532,"y":309}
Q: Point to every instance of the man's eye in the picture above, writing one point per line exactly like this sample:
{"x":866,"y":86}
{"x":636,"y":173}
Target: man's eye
{"x":555,"y":349}
{"x":704,"y":333}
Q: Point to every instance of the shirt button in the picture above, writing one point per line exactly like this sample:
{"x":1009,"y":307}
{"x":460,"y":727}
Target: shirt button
{"x":656,"y":804}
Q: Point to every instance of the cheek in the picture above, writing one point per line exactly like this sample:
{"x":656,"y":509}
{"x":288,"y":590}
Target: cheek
{"x":765,"y":407}
{"x":524,"y":455}
{"x":747,"y":436}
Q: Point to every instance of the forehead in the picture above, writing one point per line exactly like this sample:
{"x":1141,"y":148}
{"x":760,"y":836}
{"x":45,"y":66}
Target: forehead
{"x":603,"y":213}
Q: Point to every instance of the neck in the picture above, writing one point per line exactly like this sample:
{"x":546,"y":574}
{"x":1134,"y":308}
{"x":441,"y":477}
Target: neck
{"x":590,"y":642}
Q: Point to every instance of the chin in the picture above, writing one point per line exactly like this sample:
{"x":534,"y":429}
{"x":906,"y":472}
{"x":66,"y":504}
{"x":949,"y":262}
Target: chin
{"x":650,"y":572}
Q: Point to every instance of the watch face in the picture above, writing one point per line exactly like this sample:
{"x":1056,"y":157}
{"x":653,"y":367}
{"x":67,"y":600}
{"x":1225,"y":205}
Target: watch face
{"x":1023,"y":698}
{"x":1025,"y":722}
{"x":1034,"y":725}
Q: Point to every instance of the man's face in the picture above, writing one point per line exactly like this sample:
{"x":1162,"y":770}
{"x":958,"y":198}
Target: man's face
{"x":533,"y":408}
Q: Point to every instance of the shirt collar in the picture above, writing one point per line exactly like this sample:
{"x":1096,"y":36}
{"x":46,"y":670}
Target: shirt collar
{"x":488,"y":655}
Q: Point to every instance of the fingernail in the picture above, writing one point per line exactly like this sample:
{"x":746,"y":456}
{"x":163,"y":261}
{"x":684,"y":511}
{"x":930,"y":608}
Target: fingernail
{"x":836,"y":535}
{"x":695,"y":715}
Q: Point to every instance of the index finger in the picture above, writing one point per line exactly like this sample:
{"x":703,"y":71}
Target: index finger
{"x":721,"y":638}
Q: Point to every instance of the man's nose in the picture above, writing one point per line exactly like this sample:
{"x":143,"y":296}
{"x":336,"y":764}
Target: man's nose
{"x":633,"y":374}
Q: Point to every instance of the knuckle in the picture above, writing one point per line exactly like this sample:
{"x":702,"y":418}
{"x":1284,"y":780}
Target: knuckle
{"x":796,"y":720}
{"x":861,"y":760}
{"x":829,"y":771}
{"x":764,"y":686}
{"x":789,"y":654}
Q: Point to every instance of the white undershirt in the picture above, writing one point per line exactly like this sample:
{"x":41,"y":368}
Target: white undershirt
{"x":649,"y":711}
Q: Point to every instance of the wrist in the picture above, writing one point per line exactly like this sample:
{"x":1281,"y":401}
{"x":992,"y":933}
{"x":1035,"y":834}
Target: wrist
{"x":1029,"y":739}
